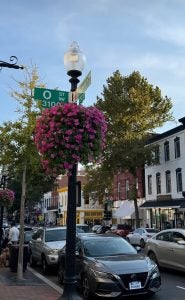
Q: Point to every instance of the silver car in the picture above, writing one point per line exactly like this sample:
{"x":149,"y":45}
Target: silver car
{"x":44,"y":246}
{"x":140,"y":235}
{"x":167,"y":248}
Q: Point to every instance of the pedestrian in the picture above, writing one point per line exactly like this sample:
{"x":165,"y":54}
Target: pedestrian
{"x":13,"y":234}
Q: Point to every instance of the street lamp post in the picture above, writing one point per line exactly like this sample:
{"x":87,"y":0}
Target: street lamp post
{"x":74,"y":61}
{"x":12,"y":64}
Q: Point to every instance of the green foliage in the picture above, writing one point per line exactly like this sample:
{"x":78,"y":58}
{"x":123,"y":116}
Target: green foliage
{"x":133,"y":108}
{"x":16,"y":141}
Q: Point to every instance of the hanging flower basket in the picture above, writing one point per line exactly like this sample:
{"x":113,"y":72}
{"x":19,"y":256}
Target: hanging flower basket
{"x":6,"y":197}
{"x":68,"y":134}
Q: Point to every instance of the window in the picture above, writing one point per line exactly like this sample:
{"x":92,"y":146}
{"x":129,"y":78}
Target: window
{"x":127,"y":188}
{"x":177,"y":237}
{"x":158,"y":183}
{"x":149,"y":184}
{"x":168,"y":182}
{"x":179,"y":180}
{"x":177,"y":147}
{"x":166,"y":151}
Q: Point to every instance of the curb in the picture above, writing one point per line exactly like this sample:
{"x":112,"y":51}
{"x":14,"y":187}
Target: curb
{"x":47,"y":281}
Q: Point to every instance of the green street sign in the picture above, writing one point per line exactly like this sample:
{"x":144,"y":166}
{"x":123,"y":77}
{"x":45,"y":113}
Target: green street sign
{"x":81,"y":97}
{"x":85,"y":84}
{"x":50,"y":97}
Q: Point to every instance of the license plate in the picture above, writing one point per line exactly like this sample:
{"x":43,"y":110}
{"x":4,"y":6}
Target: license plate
{"x":135,"y":285}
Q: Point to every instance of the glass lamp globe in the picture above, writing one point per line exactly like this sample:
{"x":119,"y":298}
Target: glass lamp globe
{"x":74,"y":59}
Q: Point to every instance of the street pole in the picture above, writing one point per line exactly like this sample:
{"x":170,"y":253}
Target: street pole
{"x":70,"y":292}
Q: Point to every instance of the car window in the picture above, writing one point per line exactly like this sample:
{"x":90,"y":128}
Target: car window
{"x":176,"y":236}
{"x":55,"y":235}
{"x":165,"y":236}
{"x":107,"y":247}
{"x":151,"y":230}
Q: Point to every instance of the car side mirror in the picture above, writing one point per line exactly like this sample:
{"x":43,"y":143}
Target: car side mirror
{"x":138,"y":248}
{"x":39,"y":239}
{"x":181,"y":242}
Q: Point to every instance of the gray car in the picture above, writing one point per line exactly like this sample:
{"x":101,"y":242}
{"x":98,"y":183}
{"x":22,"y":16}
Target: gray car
{"x":167,"y":248}
{"x":108,"y":266}
{"x":44,"y":246}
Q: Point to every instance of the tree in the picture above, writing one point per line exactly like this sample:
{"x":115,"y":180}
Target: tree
{"x":18,"y":152}
{"x":134,"y":108}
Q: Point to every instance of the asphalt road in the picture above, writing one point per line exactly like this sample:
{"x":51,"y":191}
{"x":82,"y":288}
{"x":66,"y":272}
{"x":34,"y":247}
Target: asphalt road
{"x":172,"y":288}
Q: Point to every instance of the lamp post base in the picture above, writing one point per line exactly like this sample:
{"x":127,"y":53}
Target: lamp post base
{"x":70,"y":293}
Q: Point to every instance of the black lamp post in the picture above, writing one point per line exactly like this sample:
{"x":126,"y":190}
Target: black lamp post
{"x":12,"y":64}
{"x":74,"y":61}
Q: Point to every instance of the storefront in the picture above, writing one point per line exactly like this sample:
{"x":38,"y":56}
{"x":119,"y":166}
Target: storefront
{"x":165,"y":213}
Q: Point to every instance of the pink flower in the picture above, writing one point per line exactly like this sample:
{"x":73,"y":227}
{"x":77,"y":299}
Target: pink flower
{"x":67,"y":134}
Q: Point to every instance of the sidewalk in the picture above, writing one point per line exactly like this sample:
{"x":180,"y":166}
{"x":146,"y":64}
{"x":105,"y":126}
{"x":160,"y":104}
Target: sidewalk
{"x":33,"y":287}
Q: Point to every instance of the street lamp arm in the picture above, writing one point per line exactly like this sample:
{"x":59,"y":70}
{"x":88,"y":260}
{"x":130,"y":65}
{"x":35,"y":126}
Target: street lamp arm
{"x":11,"y":64}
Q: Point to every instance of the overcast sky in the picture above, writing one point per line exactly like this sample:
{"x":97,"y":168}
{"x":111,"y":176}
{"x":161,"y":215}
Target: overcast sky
{"x":126,"y":35}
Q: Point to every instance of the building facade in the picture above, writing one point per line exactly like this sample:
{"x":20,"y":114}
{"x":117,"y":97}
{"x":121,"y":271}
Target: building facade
{"x":165,"y":181}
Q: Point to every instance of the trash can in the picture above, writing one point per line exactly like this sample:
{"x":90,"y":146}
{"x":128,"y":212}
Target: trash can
{"x":14,"y":253}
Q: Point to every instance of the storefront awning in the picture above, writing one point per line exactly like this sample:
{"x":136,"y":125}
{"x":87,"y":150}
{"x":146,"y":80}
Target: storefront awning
{"x":125,"y":210}
{"x":174,"y":203}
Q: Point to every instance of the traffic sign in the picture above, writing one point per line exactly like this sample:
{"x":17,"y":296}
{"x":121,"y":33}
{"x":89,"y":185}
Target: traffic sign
{"x":84,"y":84}
{"x":51,"y":98}
{"x":50,"y":95}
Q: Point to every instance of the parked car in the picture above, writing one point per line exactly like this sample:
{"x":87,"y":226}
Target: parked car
{"x":167,"y":248}
{"x":140,"y":235}
{"x":103,"y":229}
{"x":44,"y":246}
{"x":121,"y":229}
{"x":108,"y":266}
{"x":95,"y":227}
{"x":83,"y":227}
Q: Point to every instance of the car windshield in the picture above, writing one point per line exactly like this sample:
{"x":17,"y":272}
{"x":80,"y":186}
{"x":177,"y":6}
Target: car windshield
{"x":55,"y":235}
{"x":151,"y":230}
{"x":108,"y":247}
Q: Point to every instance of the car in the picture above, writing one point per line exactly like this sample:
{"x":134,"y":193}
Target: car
{"x":121,"y":229}
{"x":44,"y":246}
{"x":103,"y":229}
{"x":167,"y":248}
{"x":28,"y":236}
{"x":140,"y":235}
{"x":83,"y":227}
{"x":108,"y":266}
{"x":95,"y":227}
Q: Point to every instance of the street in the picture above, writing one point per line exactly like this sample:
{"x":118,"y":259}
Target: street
{"x":173,"y":285}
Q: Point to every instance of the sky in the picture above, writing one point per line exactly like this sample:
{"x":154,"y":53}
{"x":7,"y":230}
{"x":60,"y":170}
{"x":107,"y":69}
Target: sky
{"x":126,"y":35}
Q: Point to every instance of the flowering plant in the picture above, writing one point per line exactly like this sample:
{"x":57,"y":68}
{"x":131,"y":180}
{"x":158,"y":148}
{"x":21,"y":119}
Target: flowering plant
{"x":68,"y":134}
{"x":6,"y":197}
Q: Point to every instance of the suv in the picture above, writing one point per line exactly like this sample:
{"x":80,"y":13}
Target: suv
{"x":121,"y":229}
{"x":44,"y":246}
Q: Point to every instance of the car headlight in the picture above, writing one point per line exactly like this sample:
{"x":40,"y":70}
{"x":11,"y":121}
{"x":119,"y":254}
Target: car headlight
{"x":155,"y":271}
{"x":102,"y":274}
{"x":53,"y":251}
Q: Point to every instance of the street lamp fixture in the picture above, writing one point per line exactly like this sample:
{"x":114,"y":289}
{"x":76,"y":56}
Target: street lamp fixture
{"x":12,"y":64}
{"x":74,"y":62}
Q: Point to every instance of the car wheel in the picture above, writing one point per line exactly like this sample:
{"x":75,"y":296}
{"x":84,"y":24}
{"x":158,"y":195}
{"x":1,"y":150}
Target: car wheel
{"x":153,"y":257}
{"x":85,"y":288}
{"x":44,"y":266}
{"x":32,"y":260}
{"x":142,"y":243}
